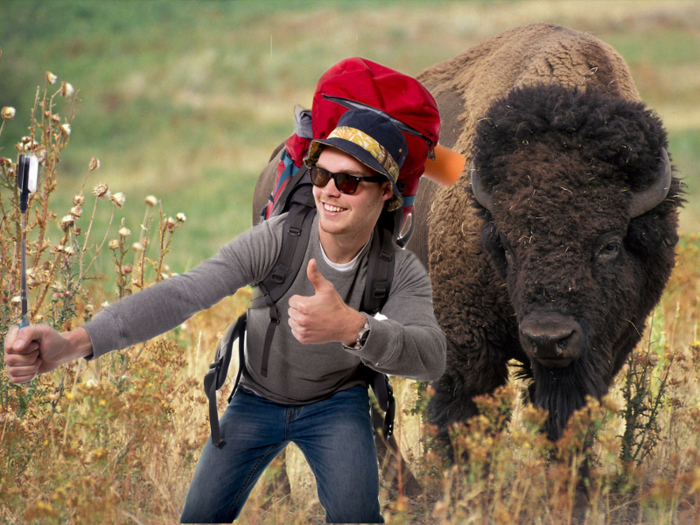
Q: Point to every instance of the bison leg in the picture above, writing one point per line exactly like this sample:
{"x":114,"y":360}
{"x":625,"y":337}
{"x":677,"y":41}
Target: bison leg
{"x":393,"y":466}
{"x":469,"y":373}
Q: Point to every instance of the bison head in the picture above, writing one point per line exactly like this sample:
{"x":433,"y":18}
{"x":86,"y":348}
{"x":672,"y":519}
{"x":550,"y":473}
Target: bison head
{"x":579,"y":210}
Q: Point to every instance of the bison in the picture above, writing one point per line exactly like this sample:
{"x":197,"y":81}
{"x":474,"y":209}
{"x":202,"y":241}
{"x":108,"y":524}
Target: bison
{"x":557,"y":241}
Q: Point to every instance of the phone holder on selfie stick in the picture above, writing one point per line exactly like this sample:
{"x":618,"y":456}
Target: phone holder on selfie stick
{"x":27,"y":175}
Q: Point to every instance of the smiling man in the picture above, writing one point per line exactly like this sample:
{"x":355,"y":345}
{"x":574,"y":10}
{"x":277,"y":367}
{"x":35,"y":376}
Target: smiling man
{"x":313,"y":393}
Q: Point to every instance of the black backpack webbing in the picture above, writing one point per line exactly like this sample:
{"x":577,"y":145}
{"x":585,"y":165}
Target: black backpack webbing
{"x":299,"y":202}
{"x":297,"y":229}
{"x":380,"y":274}
{"x":218,"y":370}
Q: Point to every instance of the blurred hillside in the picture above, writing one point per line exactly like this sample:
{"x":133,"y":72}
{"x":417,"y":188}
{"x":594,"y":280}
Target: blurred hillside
{"x":186,"y":100}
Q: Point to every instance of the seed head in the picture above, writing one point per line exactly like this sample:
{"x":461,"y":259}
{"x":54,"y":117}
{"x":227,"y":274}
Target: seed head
{"x":100,"y":190}
{"x":67,"y":222}
{"x":118,"y":199}
{"x":137,"y":246}
{"x":151,"y":201}
{"x":76,"y":211}
{"x":67,"y":89}
{"x":27,"y":144}
{"x":181,"y":217}
{"x":69,"y":250}
{"x":94,"y":164}
{"x":113,"y":244}
{"x":8,"y":112}
{"x":51,"y":78}
{"x":40,"y":154}
{"x":124,"y":231}
{"x":65,"y":129}
{"x":16,"y":299}
{"x":79,"y":199}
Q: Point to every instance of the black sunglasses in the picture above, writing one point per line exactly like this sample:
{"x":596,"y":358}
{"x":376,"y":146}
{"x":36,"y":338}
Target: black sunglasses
{"x":345,"y":182}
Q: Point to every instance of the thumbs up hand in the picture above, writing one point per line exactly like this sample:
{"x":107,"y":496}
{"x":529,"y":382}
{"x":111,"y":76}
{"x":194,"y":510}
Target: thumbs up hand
{"x":321,"y":285}
{"x":323,"y":317}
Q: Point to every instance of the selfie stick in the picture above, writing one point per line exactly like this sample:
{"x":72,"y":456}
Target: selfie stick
{"x":27,"y":174}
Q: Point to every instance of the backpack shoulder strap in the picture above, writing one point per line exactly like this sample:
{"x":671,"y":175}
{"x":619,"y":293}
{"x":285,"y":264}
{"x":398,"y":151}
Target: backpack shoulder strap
{"x":380,"y":271}
{"x":295,"y":239}
{"x":380,"y":275}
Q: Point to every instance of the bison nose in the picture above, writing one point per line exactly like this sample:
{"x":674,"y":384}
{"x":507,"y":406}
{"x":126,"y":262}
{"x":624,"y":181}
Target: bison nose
{"x":553,"y":339}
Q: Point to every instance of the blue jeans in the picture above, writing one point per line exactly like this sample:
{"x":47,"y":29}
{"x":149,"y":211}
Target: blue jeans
{"x":335,"y":435}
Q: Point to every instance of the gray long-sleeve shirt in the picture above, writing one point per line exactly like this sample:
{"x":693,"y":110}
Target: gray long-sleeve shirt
{"x":408,"y":343}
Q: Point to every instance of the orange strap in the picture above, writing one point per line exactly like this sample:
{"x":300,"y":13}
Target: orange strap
{"x":447,"y":166}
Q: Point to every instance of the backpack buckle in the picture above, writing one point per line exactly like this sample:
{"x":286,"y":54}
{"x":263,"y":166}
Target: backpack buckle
{"x":274,"y":315}
{"x":293,"y":230}
{"x":278,"y":275}
{"x":380,"y":291}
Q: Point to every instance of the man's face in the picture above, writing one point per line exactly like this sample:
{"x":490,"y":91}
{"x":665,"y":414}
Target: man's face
{"x":340,"y":214}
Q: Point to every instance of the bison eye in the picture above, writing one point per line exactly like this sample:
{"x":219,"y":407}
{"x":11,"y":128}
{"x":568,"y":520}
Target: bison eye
{"x":609,"y":249}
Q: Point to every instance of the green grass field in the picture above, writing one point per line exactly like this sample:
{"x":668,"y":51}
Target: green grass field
{"x":186,"y":100}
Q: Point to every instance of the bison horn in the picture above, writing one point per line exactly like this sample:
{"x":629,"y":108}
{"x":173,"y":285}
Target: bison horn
{"x":644,"y":201}
{"x":482,"y":195}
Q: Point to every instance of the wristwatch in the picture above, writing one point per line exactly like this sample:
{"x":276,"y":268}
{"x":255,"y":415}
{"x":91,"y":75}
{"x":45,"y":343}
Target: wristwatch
{"x":362,"y":336}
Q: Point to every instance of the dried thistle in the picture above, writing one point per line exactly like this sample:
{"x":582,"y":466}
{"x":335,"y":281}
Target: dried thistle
{"x":94,"y":164}
{"x":118,"y":198}
{"x":8,"y":113}
{"x":67,"y":90}
{"x":51,"y":78}
{"x":101,"y":189}
{"x":67,"y":222}
{"x":151,"y":201}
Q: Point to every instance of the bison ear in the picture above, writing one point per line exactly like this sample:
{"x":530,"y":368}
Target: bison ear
{"x":646,"y":200}
{"x":480,"y":192}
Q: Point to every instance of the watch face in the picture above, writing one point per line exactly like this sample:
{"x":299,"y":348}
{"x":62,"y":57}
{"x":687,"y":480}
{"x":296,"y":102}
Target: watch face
{"x":364,"y":334}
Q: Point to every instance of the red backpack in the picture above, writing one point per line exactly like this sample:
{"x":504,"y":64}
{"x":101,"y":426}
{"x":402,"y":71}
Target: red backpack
{"x":357,"y":82}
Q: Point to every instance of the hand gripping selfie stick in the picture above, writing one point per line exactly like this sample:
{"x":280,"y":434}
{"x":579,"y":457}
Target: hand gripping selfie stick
{"x":27,"y":174}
